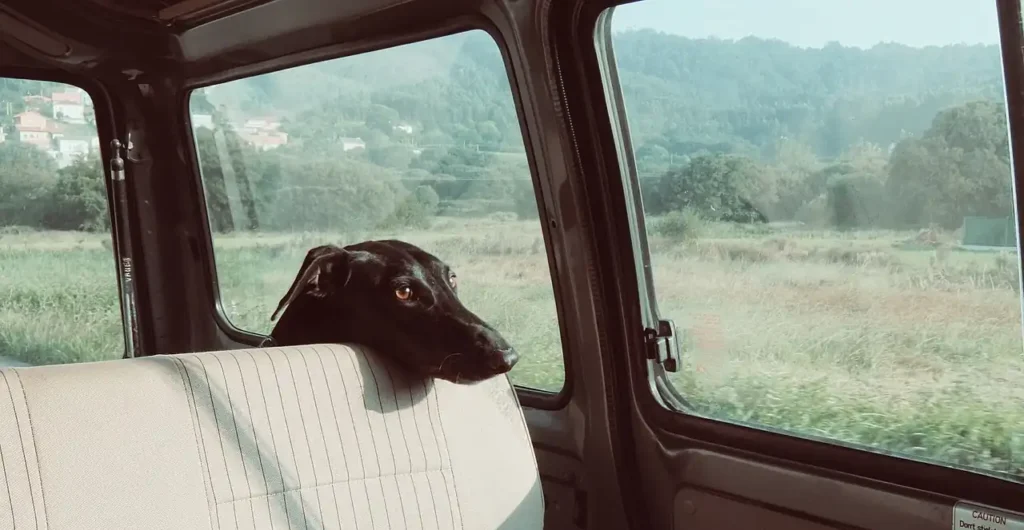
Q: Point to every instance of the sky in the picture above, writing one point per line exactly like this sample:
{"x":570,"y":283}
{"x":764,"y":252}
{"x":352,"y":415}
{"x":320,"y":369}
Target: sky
{"x":812,"y":23}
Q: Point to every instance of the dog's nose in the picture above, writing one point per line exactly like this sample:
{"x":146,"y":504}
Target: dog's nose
{"x":502,"y":361}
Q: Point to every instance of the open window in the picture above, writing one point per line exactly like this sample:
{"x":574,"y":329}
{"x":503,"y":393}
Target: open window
{"x":419,"y":142}
{"x":825,"y":209}
{"x":58,"y":282}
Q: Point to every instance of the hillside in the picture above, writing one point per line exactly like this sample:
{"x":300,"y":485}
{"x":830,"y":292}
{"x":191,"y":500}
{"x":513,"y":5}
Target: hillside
{"x":683,"y":94}
{"x":919,"y":131}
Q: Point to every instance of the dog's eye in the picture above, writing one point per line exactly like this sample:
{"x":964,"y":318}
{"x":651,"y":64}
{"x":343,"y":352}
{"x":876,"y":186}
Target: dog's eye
{"x":403,"y":293}
{"x":452,"y":281}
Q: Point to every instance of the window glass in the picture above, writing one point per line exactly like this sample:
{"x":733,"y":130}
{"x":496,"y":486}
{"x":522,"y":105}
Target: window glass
{"x":420,"y":143}
{"x":58,"y":280}
{"x":828,"y":203}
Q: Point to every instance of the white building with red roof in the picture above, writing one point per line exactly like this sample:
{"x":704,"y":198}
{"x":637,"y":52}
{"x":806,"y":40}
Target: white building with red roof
{"x":68,"y":106}
{"x":263,"y":132}
{"x":33,"y":128}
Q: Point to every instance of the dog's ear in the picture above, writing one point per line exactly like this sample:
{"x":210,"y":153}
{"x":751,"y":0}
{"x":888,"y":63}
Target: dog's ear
{"x":325,"y":267}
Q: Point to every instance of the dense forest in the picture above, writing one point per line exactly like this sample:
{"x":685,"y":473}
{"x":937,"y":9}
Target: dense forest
{"x":736,"y":130}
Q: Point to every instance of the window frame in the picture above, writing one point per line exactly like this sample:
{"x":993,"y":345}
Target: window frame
{"x":665,"y":409}
{"x":528,"y":396}
{"x":106,"y":118}
{"x":630,"y":181}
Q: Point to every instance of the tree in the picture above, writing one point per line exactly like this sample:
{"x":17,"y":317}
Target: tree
{"x":414,"y":211}
{"x":326,"y":194}
{"x":228,"y":163}
{"x":435,"y":137}
{"x":489,"y":132}
{"x":392,"y":156}
{"x":683,"y":94}
{"x":27,"y":174}
{"x":78,"y":200}
{"x":854,"y":199}
{"x":816,"y":116}
{"x":218,"y":209}
{"x":381,"y":118}
{"x":718,"y":187}
{"x":960,"y":166}
{"x":463,"y":166}
{"x":854,"y":188}
{"x":652,"y":159}
{"x":789,"y":179}
{"x":524,"y":199}
{"x":200,"y":102}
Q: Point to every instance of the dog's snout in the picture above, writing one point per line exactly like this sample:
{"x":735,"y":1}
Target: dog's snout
{"x":502,"y":361}
{"x":486,"y":338}
{"x":498,"y":355}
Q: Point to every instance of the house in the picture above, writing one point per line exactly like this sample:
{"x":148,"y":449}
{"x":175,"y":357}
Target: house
{"x":69,"y":148}
{"x":404,"y":127}
{"x":348,"y":144}
{"x":202,"y":120}
{"x":68,"y":106}
{"x":266,"y":141}
{"x":30,"y":119}
{"x":35,"y":102}
{"x":265,"y":123}
{"x":263,"y":132}
{"x":72,"y":141}
{"x":33,"y":128}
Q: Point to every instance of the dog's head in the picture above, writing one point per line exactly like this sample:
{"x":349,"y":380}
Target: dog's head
{"x":397,"y":299}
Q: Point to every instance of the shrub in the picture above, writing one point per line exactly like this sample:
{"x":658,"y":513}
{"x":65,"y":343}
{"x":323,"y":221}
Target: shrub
{"x":78,"y":201}
{"x":415,"y":211}
{"x":680,"y":225}
{"x":814,"y":212}
{"x":855,"y":201}
{"x":525,"y":200}
{"x":428,"y":198}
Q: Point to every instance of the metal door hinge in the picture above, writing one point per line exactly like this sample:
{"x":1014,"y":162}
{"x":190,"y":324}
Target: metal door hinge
{"x":663,"y":345}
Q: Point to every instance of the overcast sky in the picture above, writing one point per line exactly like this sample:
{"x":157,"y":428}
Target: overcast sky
{"x":812,"y":23}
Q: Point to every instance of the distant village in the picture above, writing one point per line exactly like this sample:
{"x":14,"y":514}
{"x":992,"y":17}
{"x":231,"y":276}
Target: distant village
{"x":262,"y":132}
{"x":63,"y":125}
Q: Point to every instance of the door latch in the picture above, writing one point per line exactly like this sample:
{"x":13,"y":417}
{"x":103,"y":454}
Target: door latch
{"x":663,"y":345}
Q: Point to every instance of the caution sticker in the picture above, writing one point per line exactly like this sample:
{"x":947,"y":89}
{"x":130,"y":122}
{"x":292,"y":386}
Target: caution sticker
{"x":970,"y":516}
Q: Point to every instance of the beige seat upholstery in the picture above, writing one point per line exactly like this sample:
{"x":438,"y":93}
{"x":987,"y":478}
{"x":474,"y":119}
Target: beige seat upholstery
{"x":322,"y":436}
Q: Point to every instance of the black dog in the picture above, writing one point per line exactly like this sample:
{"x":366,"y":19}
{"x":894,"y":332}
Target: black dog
{"x":396,"y":299}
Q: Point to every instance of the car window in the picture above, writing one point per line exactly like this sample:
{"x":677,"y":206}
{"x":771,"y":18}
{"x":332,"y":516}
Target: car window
{"x":828,"y":203}
{"x":419,"y":142}
{"x":58,"y":280}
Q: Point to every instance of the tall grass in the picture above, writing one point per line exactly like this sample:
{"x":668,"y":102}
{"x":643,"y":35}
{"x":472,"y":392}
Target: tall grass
{"x":849,"y":336}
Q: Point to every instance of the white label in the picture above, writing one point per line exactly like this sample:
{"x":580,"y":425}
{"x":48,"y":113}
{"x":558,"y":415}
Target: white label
{"x":970,"y":516}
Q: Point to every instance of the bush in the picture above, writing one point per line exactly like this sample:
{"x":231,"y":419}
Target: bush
{"x":814,"y":212}
{"x":415,"y":211}
{"x":78,"y":201}
{"x":27,"y":174}
{"x":855,"y":201}
{"x":427,"y":197}
{"x":680,"y":225}
{"x":718,"y":186}
{"x":525,"y":200}
{"x":326,"y":194}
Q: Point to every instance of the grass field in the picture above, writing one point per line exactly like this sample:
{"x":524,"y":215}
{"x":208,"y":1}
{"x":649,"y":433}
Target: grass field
{"x":844,"y":336}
